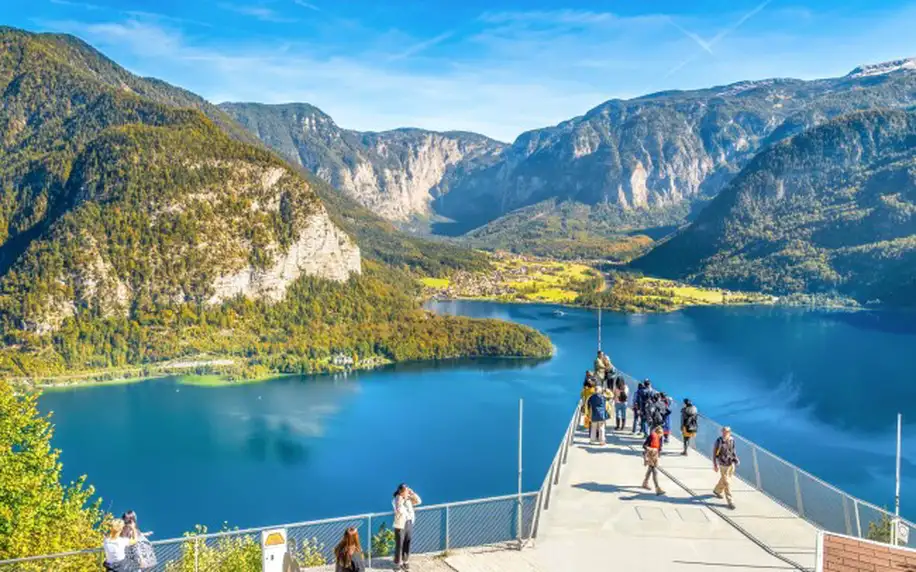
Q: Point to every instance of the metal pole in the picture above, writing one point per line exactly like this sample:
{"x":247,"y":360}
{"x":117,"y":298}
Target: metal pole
{"x":519,"y":512}
{"x":897,"y":484}
{"x":369,"y":540}
{"x":599,"y":327}
{"x":196,"y":552}
{"x":447,"y":541}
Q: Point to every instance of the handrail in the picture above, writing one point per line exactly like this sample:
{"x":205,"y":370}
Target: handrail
{"x":203,"y":537}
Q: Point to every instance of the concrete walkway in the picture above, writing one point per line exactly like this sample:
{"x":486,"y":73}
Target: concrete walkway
{"x":601,"y":519}
{"x":600,"y":508}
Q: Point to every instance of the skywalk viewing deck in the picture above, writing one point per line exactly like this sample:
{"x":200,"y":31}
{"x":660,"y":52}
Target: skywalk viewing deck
{"x":600,"y":518}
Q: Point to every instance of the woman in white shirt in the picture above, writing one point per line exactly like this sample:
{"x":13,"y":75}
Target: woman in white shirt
{"x":404,"y":501}
{"x":115,"y":547}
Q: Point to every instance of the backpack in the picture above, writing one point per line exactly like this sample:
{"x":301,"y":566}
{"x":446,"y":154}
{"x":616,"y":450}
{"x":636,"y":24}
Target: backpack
{"x":142,"y":554}
{"x":622,"y":395}
{"x":691,"y":422}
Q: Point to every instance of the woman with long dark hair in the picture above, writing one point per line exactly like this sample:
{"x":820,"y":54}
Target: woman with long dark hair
{"x":140,"y":551}
{"x":348,"y":554}
{"x":404,"y":501}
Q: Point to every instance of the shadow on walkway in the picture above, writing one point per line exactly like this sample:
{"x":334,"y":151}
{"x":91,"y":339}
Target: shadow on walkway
{"x":640,"y":494}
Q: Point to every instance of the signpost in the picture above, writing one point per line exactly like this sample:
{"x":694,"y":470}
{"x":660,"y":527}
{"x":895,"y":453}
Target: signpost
{"x":273,"y":550}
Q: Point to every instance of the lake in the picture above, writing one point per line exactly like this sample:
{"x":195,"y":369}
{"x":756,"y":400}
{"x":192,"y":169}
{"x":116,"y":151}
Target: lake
{"x":818,"y":388}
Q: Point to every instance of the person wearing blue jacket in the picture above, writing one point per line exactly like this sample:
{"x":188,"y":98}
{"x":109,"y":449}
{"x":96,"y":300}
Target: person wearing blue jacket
{"x":643,"y":404}
{"x":597,"y":405}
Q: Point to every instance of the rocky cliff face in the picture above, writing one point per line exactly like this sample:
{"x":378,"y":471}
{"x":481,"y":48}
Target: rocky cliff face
{"x":647,"y":161}
{"x":396,"y":174}
{"x":651,"y":157}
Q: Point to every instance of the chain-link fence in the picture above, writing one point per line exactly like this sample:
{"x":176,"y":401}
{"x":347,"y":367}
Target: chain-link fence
{"x":438,"y":528}
{"x":821,"y":504}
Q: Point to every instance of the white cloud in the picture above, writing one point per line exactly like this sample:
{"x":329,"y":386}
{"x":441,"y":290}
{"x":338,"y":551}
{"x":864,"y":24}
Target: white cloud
{"x":258,"y":12}
{"x":307,"y":5}
{"x":421,"y":46}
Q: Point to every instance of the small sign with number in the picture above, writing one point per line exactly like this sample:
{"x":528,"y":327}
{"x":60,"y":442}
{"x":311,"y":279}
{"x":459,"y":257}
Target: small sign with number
{"x":903,"y":533}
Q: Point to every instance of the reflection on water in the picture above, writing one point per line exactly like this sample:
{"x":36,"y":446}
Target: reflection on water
{"x":820,"y":389}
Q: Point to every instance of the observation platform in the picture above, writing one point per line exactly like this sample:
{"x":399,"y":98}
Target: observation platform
{"x":599,"y":518}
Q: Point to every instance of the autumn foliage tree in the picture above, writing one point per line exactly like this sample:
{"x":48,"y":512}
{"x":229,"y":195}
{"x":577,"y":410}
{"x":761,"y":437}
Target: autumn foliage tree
{"x":39,"y":514}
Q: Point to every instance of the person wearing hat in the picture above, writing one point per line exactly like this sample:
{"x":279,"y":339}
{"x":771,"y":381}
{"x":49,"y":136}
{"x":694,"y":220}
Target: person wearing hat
{"x":725,"y":461}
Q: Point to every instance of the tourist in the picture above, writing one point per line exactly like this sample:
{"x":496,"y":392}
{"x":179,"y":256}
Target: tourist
{"x":597,"y":405}
{"x":600,"y":368}
{"x":404,"y":501}
{"x":620,"y":404}
{"x":588,"y":388}
{"x":664,"y":404}
{"x":140,"y":551}
{"x":725,"y":461}
{"x":637,"y":411}
{"x":690,"y":421}
{"x":115,"y":548}
{"x":644,"y":402}
{"x":653,"y":413}
{"x":652,"y":447}
{"x":609,"y":371}
{"x":348,"y":554}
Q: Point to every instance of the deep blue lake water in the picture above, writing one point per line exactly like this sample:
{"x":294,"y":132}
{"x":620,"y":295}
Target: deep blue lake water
{"x":820,"y":389}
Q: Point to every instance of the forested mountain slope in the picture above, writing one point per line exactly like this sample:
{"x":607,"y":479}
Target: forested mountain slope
{"x":831,"y":209}
{"x":132,"y":230}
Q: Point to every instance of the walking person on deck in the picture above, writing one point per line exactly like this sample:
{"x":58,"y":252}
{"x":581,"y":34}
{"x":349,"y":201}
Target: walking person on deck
{"x":725,"y":461}
{"x":404,"y":502}
{"x":664,"y":405}
{"x":620,"y":404}
{"x":598,"y":405}
{"x":690,"y":421}
{"x":652,"y":448}
{"x":637,"y":411}
{"x":645,"y":402}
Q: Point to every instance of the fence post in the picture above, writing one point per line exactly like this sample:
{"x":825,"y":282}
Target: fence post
{"x":756,"y":467}
{"x":447,"y":524}
{"x":549,"y":487}
{"x":556,"y":471}
{"x":798,"y":495}
{"x":196,"y":553}
{"x":369,"y":534}
{"x":846,"y":515}
{"x":858,"y":523}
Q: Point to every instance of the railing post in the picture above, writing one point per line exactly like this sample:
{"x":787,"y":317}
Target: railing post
{"x":447,"y":539}
{"x":858,"y":522}
{"x":369,"y":540}
{"x":756,"y":467}
{"x":196,"y":554}
{"x":846,"y":515}
{"x":798,"y":495}
{"x":556,"y":471}
{"x":549,"y":487}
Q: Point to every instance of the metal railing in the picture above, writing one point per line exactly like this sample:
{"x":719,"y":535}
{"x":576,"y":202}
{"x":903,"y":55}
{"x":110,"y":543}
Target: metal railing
{"x":438,"y":528}
{"x":803,"y":494}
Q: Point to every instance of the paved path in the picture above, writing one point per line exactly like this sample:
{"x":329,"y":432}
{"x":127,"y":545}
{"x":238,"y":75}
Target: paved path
{"x":601,"y":519}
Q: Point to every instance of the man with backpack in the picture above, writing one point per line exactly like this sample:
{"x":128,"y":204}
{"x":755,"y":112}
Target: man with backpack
{"x":648,"y":393}
{"x":724,"y":461}
{"x":690,"y":422}
{"x":637,"y":397}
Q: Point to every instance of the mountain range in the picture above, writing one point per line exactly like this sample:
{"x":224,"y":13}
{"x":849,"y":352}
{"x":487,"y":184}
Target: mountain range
{"x":639,"y":163}
{"x":140,"y":223}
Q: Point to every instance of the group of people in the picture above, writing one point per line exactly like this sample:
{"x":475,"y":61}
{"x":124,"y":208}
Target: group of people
{"x":604,"y":390}
{"x":127,"y":549}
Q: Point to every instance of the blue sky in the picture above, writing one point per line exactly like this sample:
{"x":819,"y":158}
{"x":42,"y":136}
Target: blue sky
{"x":497,"y":67}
